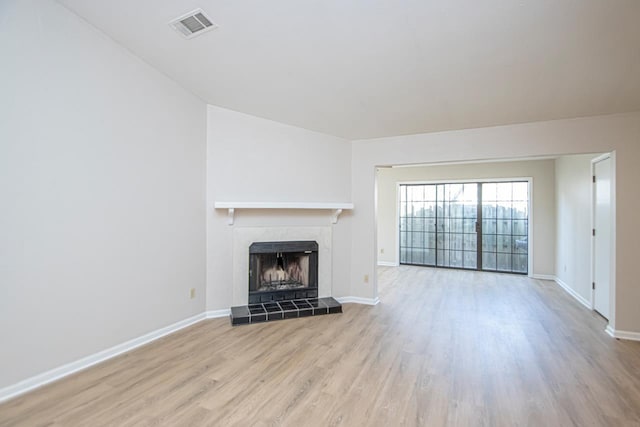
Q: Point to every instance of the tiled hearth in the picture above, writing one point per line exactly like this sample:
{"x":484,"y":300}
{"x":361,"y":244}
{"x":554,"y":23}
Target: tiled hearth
{"x":278,"y":310}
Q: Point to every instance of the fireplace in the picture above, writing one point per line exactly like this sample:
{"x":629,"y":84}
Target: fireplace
{"x":282,"y":271}
{"x":283,"y":280}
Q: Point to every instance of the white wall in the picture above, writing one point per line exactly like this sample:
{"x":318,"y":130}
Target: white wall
{"x":253,"y":159}
{"x":615,"y":133}
{"x":102,"y":184}
{"x":573,"y":207}
{"x":543,"y":201}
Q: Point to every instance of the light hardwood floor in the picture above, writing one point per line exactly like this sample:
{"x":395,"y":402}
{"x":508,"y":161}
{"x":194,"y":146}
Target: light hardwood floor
{"x":444,"y":347}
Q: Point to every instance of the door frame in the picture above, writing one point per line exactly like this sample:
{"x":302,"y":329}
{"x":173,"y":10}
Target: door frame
{"x":528,"y":179}
{"x":612,"y":266}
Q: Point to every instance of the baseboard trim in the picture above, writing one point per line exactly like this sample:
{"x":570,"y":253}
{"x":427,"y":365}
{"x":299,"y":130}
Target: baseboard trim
{"x":387,"y":264}
{"x":215,"y":314}
{"x":609,"y":330}
{"x":623,"y":335}
{"x":358,"y":300}
{"x":574,"y":294}
{"x":55,"y":374}
{"x":544,"y":277}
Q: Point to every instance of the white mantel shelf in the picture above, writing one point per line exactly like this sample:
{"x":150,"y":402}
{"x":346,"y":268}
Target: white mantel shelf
{"x":337,"y":208}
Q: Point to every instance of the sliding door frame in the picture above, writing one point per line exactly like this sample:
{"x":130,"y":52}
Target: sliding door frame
{"x":481,"y":181}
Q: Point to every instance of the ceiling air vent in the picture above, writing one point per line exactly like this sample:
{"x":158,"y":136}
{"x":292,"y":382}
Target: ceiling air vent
{"x":193,"y":24}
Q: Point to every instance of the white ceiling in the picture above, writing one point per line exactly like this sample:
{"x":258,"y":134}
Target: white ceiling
{"x":373,"y":68}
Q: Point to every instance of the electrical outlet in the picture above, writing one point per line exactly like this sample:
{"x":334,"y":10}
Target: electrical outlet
{"x":366,"y":278}
{"x":381,"y":250}
{"x":192,"y":293}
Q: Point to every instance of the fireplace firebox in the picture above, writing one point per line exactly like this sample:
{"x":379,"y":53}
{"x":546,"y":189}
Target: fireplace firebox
{"x":282,"y":271}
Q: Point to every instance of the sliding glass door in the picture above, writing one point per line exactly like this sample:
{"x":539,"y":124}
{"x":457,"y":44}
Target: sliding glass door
{"x":457,"y":240}
{"x":469,"y":225}
{"x":505,"y":225}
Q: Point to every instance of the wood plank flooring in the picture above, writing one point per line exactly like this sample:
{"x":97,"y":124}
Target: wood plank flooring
{"x":444,"y":347}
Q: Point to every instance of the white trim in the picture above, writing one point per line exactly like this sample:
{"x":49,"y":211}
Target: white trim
{"x":282,"y":205}
{"x":582,"y":300}
{"x":530,"y":220}
{"x":336,"y":207}
{"x":387,"y":264}
{"x":544,"y":277}
{"x":623,"y":335}
{"x":88,"y":361}
{"x":358,"y":300}
{"x":466,"y":181}
{"x":471,"y":162}
{"x":215,"y":314}
{"x":396,"y":253}
{"x":601,"y":157}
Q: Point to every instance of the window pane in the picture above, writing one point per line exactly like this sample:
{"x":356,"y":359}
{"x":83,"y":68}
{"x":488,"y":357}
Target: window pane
{"x":503,"y":210}
{"x":504,"y":262}
{"x":471,"y":194}
{"x":504,"y":191}
{"x":417,"y":256}
{"x":455,"y":192}
{"x":520,"y":263}
{"x":489,"y":226}
{"x":489,"y":192}
{"x":520,"y":244}
{"x":520,"y":210}
{"x":470,"y":259}
{"x":470,"y":242}
{"x":430,"y":193}
{"x":417,"y":209}
{"x":520,"y":191}
{"x":504,"y":226}
{"x":403,"y":256}
{"x":470,"y":210}
{"x":417,"y":192}
{"x":504,"y":244}
{"x":417,"y":240}
{"x":520,"y":227}
{"x":489,"y":211}
{"x":453,"y":241}
{"x":455,"y":225}
{"x":456,"y":259}
{"x":455,"y":210}
{"x":430,"y":257}
{"x":489,"y":243}
{"x":489,"y":261}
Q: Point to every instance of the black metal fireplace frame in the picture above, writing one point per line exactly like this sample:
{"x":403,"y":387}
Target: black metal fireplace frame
{"x":309,"y":247}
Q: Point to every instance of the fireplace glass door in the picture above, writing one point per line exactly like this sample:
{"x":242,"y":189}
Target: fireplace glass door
{"x":471,"y":225}
{"x":281,"y":271}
